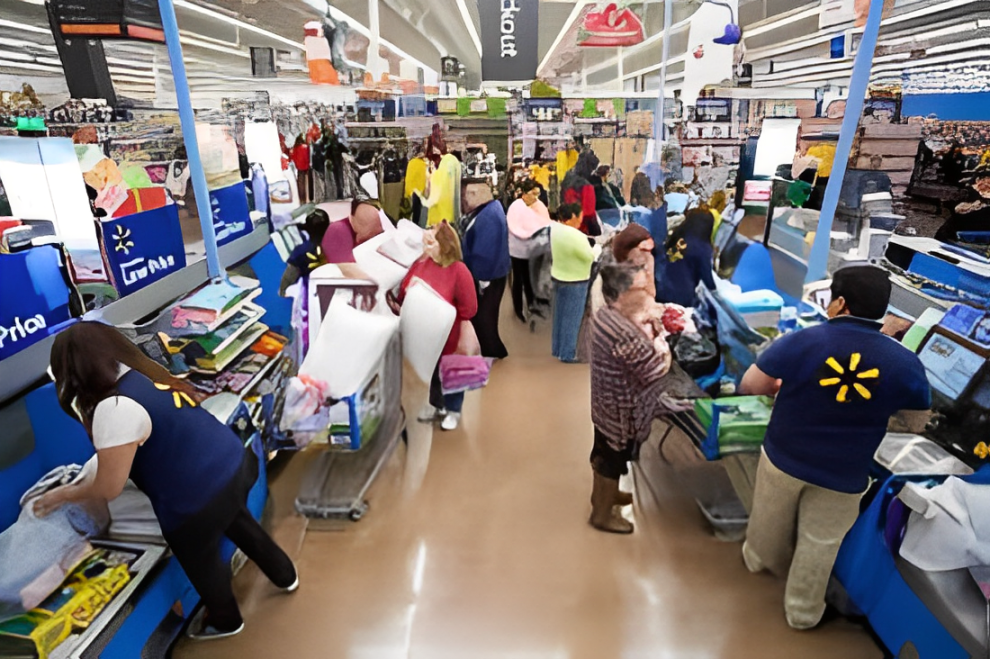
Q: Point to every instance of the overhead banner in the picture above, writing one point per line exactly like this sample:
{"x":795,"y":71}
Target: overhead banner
{"x":509,"y":38}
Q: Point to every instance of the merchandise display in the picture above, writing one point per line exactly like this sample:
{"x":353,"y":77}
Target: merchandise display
{"x":761,"y":235}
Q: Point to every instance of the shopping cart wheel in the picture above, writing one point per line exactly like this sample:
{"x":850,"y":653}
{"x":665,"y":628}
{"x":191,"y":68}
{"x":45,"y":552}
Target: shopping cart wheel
{"x":358,"y":512}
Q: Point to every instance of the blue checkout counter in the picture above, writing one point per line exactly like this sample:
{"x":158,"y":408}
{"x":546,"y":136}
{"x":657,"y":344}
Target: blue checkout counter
{"x":146,"y":617}
{"x":154,"y":606}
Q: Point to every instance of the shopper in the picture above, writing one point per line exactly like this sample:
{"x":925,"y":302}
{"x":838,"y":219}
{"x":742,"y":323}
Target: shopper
{"x":526,"y":217}
{"x":572,"y":258}
{"x":342,"y":236}
{"x":443,"y":192}
{"x":837,"y":386}
{"x":146,"y":426}
{"x":629,"y":359}
{"x":577,"y":188}
{"x":442,"y":269}
{"x":607,"y":196}
{"x":635,"y":245}
{"x":300,"y":158}
{"x":308,"y":255}
{"x":485,"y":243}
{"x":690,"y":256}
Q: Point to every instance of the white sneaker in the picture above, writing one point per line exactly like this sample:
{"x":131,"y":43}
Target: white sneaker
{"x":429,"y":414}
{"x":450,"y":421}
{"x":295,"y":584}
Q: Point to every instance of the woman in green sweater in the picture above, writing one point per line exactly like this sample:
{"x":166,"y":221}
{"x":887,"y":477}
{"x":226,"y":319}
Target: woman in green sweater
{"x":572,"y":258}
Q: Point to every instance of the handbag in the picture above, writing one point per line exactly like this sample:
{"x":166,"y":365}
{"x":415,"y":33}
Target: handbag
{"x":464,"y":372}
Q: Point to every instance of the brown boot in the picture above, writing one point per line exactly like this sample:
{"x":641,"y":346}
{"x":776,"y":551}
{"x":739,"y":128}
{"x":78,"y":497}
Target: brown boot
{"x":622,"y":499}
{"x":603,"y":500}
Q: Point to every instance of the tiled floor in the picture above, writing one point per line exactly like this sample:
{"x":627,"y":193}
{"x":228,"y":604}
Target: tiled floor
{"x":477,"y":545}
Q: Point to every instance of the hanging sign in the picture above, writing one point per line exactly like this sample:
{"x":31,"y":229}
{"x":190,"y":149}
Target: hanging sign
{"x":107,"y":19}
{"x":231,"y":215}
{"x":610,"y":27}
{"x":509,"y":38}
{"x":143,"y":248}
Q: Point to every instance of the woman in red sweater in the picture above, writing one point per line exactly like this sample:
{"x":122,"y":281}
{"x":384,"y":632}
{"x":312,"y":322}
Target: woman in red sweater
{"x":300,"y":158}
{"x":576,"y":188}
{"x":442,"y":269}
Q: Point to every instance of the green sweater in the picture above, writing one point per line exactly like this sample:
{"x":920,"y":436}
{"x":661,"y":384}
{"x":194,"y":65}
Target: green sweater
{"x":571,"y":254}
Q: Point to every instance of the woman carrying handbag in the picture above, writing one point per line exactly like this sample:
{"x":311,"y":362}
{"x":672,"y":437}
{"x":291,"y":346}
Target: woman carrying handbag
{"x":442,"y":269}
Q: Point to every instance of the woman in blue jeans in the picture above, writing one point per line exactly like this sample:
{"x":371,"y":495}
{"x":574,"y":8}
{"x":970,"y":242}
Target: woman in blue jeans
{"x":572,"y":259}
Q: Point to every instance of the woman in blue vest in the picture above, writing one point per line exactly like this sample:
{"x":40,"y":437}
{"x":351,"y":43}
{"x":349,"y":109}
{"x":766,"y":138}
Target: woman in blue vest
{"x":147,"y":426}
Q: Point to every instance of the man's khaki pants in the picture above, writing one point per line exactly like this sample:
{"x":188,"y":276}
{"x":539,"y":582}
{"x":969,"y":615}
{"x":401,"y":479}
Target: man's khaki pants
{"x":796,"y":530}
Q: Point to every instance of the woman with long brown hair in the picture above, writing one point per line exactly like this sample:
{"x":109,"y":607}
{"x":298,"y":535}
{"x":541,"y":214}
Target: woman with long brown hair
{"x":147,"y":426}
{"x":442,"y":269}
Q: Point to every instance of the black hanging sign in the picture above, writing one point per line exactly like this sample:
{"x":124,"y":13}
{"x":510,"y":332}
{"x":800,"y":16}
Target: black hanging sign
{"x":509,"y":37}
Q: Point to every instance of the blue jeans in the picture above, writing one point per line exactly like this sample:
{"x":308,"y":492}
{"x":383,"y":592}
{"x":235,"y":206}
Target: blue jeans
{"x":449,"y":402}
{"x":569,"y":299}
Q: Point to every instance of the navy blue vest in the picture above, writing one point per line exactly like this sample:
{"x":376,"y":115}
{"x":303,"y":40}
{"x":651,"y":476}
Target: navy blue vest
{"x":189,"y":458}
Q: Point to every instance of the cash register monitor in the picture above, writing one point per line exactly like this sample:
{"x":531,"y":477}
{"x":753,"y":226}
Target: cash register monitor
{"x":952,"y":369}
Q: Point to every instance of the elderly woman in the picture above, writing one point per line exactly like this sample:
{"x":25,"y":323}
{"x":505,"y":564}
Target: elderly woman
{"x":442,"y":269}
{"x":629,"y":360}
{"x":526,"y":217}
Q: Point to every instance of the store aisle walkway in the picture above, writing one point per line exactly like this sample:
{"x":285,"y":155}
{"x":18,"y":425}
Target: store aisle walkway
{"x":493,"y":557}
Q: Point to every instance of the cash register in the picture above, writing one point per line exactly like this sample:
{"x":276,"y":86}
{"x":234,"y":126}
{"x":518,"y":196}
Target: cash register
{"x":955,"y":354}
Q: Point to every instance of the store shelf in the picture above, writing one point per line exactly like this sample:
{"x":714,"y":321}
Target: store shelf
{"x":27,"y":367}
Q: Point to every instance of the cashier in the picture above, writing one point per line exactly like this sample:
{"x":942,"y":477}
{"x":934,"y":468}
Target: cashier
{"x":308,"y":255}
{"x":836,"y":386}
{"x":147,"y":426}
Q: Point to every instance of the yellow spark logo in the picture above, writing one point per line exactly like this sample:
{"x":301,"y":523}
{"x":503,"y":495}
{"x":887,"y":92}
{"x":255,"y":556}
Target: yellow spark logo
{"x":178,"y":397}
{"x":122,"y":235}
{"x":315,"y":260}
{"x":849,"y":379}
{"x":982,"y":451}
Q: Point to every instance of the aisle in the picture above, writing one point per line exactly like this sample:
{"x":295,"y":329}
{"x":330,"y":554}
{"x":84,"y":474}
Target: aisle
{"x":493,"y":556}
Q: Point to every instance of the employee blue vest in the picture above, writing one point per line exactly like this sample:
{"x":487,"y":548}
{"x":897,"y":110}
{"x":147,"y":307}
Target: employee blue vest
{"x":189,"y":458}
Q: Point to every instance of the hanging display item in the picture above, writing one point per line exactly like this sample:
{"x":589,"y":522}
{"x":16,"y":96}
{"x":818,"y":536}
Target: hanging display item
{"x":611,"y":27}
{"x":142,"y":248}
{"x":318,"y":56}
{"x":107,"y":19}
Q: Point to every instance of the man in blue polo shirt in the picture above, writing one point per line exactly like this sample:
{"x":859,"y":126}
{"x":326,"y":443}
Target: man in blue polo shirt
{"x":837,"y":385}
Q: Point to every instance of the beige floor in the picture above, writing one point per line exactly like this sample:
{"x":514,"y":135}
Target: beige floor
{"x":489,"y":554}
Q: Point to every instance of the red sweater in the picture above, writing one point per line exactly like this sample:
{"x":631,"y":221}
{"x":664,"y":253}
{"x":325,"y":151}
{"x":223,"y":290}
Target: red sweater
{"x":300,"y":157}
{"x":454,"y":284}
{"x":588,"y":203}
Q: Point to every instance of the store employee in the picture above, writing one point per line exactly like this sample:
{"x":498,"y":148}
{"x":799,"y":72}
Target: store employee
{"x":837,"y":385}
{"x":147,"y":426}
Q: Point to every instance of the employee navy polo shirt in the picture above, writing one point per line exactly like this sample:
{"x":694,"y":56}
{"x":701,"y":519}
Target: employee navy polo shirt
{"x":842,"y":381}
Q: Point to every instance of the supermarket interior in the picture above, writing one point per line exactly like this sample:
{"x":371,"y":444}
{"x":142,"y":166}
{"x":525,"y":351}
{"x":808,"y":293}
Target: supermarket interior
{"x":312,"y":312}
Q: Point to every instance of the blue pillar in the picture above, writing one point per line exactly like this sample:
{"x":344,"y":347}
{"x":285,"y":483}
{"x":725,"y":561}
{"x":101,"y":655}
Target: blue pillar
{"x":188,"y":120}
{"x":818,"y":263}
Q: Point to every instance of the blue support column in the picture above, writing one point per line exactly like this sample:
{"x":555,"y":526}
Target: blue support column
{"x":818,"y":263}
{"x":188,"y":120}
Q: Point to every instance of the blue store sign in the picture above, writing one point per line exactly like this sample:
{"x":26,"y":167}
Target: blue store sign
{"x":34,"y":298}
{"x":231,"y":215}
{"x":143,"y":248}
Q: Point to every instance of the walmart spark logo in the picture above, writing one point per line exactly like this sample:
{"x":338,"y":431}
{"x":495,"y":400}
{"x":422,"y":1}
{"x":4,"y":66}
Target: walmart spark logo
{"x":178,"y":397}
{"x":123,"y":237}
{"x":849,"y":379}
{"x":314,"y":260}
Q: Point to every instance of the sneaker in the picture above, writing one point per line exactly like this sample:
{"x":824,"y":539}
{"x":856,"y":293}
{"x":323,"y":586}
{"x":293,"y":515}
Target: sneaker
{"x":429,"y":414}
{"x":450,"y":421}
{"x":295,"y":584}
{"x":200,"y":630}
